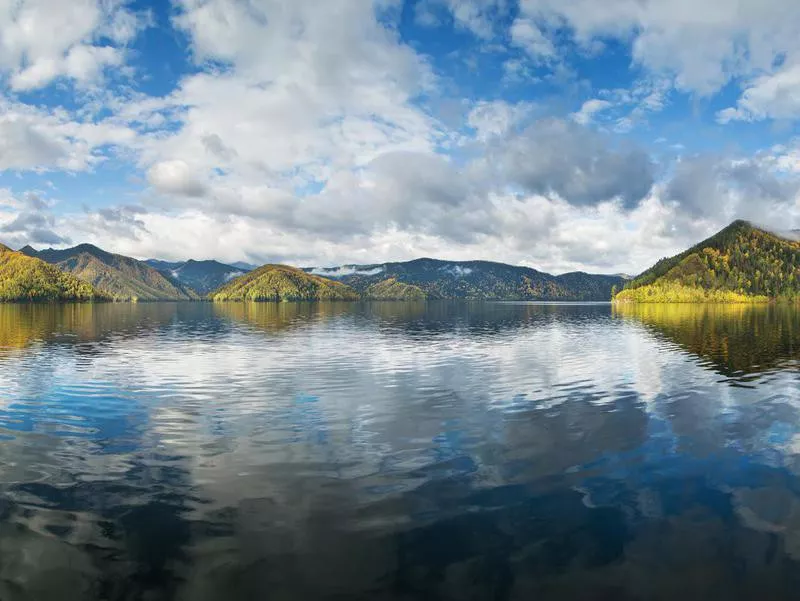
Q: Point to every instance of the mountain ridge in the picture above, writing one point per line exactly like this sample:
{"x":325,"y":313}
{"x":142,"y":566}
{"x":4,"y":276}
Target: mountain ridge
{"x":740,"y":263}
{"x":24,"y":278}
{"x":122,"y":278}
{"x":204,"y":276}
{"x":477,"y":280}
{"x":282,"y":283}
{"x":125,"y":278}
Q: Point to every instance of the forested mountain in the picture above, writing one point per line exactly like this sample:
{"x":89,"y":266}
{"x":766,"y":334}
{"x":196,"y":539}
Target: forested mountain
{"x":163,"y":265}
{"x":24,"y":278}
{"x":122,"y":278}
{"x":391,"y":289}
{"x":202,"y":276}
{"x":740,"y":263}
{"x":472,"y":280}
{"x":283,"y":283}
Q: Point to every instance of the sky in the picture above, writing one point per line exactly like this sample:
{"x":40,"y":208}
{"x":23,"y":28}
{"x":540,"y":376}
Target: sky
{"x":558,"y":134}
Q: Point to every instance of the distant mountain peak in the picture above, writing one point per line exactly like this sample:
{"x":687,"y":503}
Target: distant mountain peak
{"x":85,"y":246}
{"x":122,"y":277}
{"x":93,"y":250}
{"x":203,"y":276}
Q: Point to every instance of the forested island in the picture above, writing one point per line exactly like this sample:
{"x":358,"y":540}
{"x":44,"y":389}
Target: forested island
{"x":740,"y":264}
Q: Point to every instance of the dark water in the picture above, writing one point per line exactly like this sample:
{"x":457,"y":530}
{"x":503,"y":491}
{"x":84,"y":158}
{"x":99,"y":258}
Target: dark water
{"x":391,"y":451}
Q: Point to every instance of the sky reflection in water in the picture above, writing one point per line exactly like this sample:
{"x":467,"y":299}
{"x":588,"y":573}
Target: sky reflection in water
{"x":399,"y":451}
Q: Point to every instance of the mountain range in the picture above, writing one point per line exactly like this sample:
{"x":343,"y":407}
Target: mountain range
{"x":478,"y":280}
{"x":24,"y":278}
{"x":741,"y":263}
{"x":122,"y":278}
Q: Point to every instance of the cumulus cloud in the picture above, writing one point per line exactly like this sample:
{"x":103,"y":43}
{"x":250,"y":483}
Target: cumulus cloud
{"x":304,"y":131}
{"x":698,"y":47}
{"x":43,"y":40}
{"x":775,"y":95}
{"x":702,"y":45}
{"x":417,"y":192}
{"x":25,"y":144}
{"x":526,"y":34}
{"x":728,"y":188}
{"x":478,"y":16}
{"x":544,"y":233}
{"x":176,"y":177}
{"x":320,"y":89}
{"x":30,"y":223}
{"x":31,"y":138}
{"x":579,"y":165}
{"x":491,"y":119}
{"x":589,"y":109}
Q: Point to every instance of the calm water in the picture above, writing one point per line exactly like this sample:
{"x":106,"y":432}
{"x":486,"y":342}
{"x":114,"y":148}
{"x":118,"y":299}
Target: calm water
{"x":392,"y":451}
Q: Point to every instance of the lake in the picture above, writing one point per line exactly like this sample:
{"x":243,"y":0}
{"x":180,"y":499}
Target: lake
{"x":392,"y":451}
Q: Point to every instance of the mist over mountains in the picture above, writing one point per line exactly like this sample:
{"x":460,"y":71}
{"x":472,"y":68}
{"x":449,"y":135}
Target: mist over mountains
{"x":124,"y":278}
{"x":741,"y":263}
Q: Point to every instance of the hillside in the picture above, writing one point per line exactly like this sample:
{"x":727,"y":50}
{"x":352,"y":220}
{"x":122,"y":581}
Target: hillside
{"x":391,"y":289}
{"x":24,"y":278}
{"x":741,"y":263}
{"x":202,"y":276}
{"x":589,"y":286}
{"x":475,"y":280}
{"x":122,"y":278}
{"x":282,"y":283}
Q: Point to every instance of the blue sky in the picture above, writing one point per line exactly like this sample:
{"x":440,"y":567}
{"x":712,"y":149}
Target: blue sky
{"x":560,"y":134}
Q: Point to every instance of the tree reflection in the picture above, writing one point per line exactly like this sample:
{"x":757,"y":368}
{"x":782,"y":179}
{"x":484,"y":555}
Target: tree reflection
{"x":739,"y":340}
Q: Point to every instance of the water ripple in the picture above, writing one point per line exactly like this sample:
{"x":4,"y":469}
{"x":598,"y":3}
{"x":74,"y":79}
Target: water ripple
{"x":391,"y":451}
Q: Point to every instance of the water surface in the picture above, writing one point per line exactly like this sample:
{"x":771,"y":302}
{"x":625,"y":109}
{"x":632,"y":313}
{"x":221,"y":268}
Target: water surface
{"x":399,"y":451}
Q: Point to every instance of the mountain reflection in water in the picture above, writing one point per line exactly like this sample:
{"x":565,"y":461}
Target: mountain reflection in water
{"x":399,"y":451}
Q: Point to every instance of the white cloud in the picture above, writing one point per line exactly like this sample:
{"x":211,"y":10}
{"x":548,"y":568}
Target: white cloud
{"x":559,"y":157}
{"x":496,"y":118}
{"x":775,"y":96}
{"x":319,"y":89}
{"x":32,"y":138}
{"x":25,"y":144}
{"x":86,"y":63}
{"x":589,"y":109}
{"x":302,"y":132}
{"x":702,"y":46}
{"x":176,"y":177}
{"x":526,"y":34}
{"x":478,"y":16}
{"x":42,"y":40}
{"x":532,"y":230}
{"x":30,"y":223}
{"x":724,"y":188}
{"x":338,"y":272}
